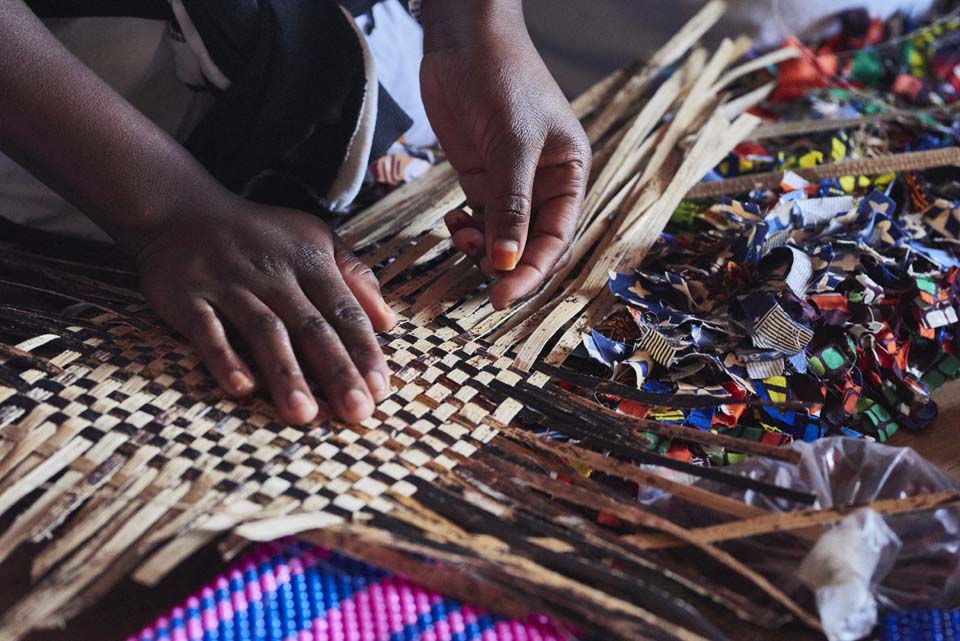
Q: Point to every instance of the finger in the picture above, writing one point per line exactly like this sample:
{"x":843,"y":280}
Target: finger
{"x":457,"y":219}
{"x":549,"y":241}
{"x":466,"y":231}
{"x":528,"y":275}
{"x":269,"y":343}
{"x":325,"y":355}
{"x":339,"y":343}
{"x":470,"y":241}
{"x":475,"y":185}
{"x":363,"y":283}
{"x":356,"y":311}
{"x":486,"y":266}
{"x":200,"y":325}
{"x":510,"y":190}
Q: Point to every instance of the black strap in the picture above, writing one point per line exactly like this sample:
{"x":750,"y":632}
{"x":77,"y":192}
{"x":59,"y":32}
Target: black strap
{"x":358,"y":7}
{"x":155,"y":9}
{"x":392,"y":122}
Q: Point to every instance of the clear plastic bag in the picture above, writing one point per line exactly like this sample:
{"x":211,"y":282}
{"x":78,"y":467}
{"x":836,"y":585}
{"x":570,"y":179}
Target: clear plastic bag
{"x":843,"y":570}
{"x":923,"y":572}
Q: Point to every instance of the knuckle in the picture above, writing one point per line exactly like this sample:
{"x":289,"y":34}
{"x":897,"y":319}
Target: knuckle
{"x":311,"y":257}
{"x":361,"y":353}
{"x":316,"y":326}
{"x":217,"y":352}
{"x":266,"y":323}
{"x":573,"y":152}
{"x":270,"y":265}
{"x":580,"y":163}
{"x":350,"y":265}
{"x":285,"y":371}
{"x":349,"y":313}
{"x":343,"y":373}
{"x":580,"y":145}
{"x":512,"y":209}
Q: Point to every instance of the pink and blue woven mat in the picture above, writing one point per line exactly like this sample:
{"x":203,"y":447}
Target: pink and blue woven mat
{"x":291,"y":591}
{"x":922,"y":625}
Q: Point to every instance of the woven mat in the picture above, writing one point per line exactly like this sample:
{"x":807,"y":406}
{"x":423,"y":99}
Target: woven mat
{"x":117,"y":450}
{"x":290,"y":591}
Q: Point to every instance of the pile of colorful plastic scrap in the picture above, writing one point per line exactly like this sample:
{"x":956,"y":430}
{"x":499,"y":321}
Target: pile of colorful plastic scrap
{"x":875,"y":65}
{"x":844,"y":306}
{"x":908,"y":71}
{"x":827,"y":308}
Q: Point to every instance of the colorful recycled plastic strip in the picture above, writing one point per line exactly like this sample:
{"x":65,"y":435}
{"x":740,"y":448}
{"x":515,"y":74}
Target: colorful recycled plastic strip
{"x":922,"y":625}
{"x":844,"y":307}
{"x":291,"y":591}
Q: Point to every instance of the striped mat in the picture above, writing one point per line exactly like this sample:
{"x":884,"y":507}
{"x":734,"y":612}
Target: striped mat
{"x":292,"y":591}
{"x":922,"y":625}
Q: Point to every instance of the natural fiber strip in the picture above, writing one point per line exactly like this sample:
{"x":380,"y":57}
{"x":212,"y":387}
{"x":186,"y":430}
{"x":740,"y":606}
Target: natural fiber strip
{"x":909,"y":161}
{"x":795,"y":521}
{"x":632,"y":513}
{"x":801,"y":127}
{"x":129,"y":459}
{"x":640,"y":228}
{"x":772,"y":58}
{"x":645,"y":478}
{"x":672,"y":51}
{"x":745,"y":608}
{"x":392,"y":213}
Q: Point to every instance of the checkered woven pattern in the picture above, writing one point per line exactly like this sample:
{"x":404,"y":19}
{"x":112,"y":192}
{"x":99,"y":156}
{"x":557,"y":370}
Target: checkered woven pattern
{"x":290,"y":591}
{"x":131,"y":460}
{"x":109,"y":408}
{"x":146,"y":392}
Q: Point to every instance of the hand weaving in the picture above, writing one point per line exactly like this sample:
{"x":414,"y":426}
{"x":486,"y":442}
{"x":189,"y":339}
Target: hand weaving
{"x":117,"y":450}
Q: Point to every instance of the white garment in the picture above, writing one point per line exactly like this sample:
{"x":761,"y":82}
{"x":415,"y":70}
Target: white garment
{"x":397,"y":47}
{"x":137,"y":58}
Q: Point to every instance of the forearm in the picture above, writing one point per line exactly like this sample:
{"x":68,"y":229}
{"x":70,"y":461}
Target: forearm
{"x":65,"y":125}
{"x":458,"y":23}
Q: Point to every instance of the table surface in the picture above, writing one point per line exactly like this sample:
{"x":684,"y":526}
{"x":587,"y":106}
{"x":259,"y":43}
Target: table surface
{"x":129,"y":606}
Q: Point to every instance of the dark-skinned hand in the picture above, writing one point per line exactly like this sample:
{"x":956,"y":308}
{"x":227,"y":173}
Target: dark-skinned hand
{"x":298,"y":300}
{"x":296,"y":296}
{"x":521,"y":154}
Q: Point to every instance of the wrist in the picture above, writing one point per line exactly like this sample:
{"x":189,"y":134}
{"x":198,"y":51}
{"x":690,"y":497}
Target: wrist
{"x":198,"y":199}
{"x":457,"y":24}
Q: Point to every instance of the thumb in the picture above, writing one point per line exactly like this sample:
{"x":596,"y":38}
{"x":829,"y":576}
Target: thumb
{"x":510,"y":177}
{"x":363,"y":283}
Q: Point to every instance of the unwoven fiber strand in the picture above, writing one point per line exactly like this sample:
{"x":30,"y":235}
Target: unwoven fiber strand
{"x":118,"y":452}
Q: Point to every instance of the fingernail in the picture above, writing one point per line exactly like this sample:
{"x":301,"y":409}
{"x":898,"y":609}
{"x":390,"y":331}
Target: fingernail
{"x":505,"y":254}
{"x":358,"y":403}
{"x":240,"y":382}
{"x":302,"y":405}
{"x":391,"y":316}
{"x":378,"y":384}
